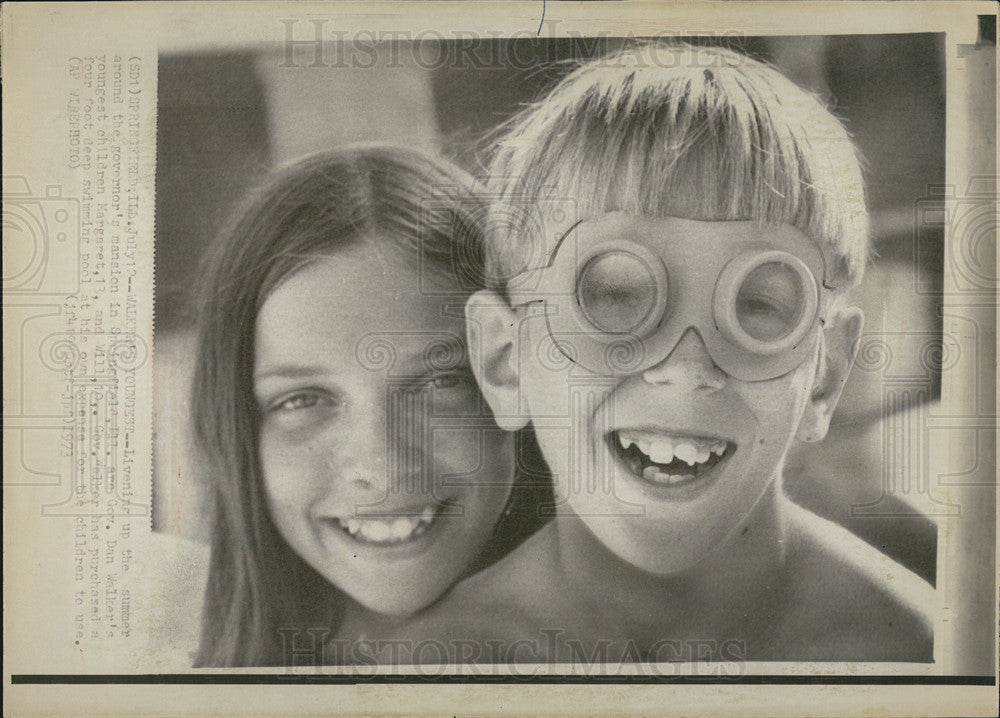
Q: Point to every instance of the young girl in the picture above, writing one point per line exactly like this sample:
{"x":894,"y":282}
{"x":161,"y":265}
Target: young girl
{"x":670,"y":337}
{"x":357,"y":472}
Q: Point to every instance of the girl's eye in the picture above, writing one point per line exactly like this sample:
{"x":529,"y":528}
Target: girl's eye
{"x":303,"y":401}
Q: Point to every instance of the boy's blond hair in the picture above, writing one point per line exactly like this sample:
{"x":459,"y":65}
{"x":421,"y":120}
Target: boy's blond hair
{"x":681,"y":131}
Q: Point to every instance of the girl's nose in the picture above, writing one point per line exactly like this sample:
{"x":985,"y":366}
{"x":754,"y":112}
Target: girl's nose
{"x":391,"y":442}
{"x":360,"y":450}
{"x":365,"y":472}
{"x":366,"y":480}
{"x":688,"y":366}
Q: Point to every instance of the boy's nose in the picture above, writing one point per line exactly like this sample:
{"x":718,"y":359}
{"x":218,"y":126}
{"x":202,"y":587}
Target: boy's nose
{"x":689,"y":365}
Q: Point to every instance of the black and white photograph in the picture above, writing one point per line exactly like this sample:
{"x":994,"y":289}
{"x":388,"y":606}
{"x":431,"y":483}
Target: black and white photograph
{"x":645,"y":355}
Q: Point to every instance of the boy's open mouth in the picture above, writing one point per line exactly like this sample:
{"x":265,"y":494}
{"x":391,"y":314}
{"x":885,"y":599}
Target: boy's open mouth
{"x":390,"y":530}
{"x":666,"y":459}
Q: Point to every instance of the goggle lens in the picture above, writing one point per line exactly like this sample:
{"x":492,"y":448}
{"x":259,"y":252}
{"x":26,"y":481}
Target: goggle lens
{"x":617,"y":292}
{"x":770,"y":302}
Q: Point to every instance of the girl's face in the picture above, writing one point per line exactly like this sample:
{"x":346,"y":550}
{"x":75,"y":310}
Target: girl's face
{"x":382,"y":466}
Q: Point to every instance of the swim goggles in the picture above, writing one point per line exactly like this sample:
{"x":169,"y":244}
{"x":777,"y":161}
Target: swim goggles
{"x":619,"y":291}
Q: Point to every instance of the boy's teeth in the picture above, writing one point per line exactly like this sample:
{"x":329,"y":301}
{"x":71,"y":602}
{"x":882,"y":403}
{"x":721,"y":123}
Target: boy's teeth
{"x":651,"y":473}
{"x":662,"y":452}
{"x":659,"y":445}
{"x":686,"y":453}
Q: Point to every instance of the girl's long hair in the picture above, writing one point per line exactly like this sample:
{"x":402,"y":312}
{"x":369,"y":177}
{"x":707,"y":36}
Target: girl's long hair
{"x":260,"y":595}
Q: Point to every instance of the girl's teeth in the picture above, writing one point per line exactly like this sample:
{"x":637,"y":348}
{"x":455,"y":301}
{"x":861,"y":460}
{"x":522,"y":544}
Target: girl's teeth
{"x":401,"y":528}
{"x":703,"y":455}
{"x":394,"y":531}
{"x":375,"y":531}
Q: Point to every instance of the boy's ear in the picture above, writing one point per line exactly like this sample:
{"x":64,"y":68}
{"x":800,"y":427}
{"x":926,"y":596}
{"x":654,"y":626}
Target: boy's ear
{"x":491,"y":326}
{"x":838,"y":347}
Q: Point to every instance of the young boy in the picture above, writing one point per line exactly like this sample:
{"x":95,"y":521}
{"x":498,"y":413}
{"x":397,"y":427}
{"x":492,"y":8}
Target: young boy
{"x":674,"y":320}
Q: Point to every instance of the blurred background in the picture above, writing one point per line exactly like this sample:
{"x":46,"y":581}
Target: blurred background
{"x":225,"y":119}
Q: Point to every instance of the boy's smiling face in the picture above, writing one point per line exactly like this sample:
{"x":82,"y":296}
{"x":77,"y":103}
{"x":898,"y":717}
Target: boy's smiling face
{"x":665,"y":463}
{"x":685,"y":406}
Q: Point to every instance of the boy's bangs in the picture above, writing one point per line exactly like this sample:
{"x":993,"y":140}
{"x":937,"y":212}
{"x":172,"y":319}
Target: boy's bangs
{"x":736,"y":141}
{"x":703,"y":144}
{"x":710,"y":173}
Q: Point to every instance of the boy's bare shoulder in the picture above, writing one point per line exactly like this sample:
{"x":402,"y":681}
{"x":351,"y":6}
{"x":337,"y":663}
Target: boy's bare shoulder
{"x":846,"y":601}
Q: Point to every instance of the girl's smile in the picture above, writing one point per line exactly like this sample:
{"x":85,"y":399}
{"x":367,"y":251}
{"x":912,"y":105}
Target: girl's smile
{"x":388,"y":532}
{"x":387,"y":540}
